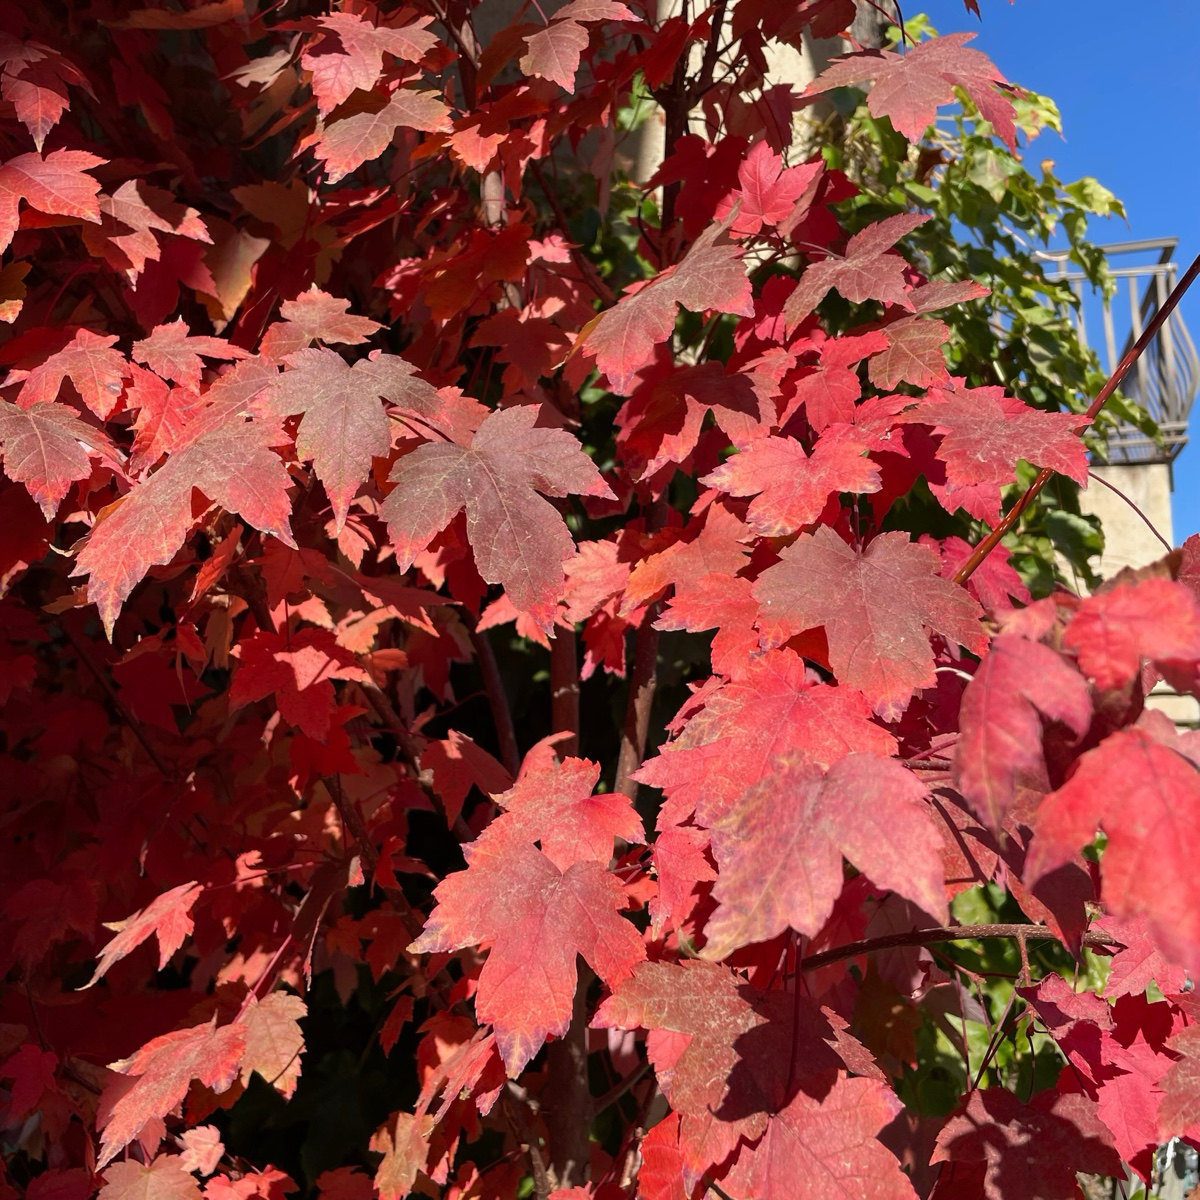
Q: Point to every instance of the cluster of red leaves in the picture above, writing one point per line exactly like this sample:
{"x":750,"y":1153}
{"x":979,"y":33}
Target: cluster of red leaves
{"x":294,"y":520}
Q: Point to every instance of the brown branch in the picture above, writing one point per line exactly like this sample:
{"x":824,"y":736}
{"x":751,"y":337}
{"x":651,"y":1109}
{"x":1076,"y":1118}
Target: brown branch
{"x":704,"y":76}
{"x":506,"y":734}
{"x":1131,"y":356}
{"x":621,"y":1087}
{"x":564,"y":688}
{"x":952,"y":933}
{"x":567,"y":1099}
{"x":643,"y":679}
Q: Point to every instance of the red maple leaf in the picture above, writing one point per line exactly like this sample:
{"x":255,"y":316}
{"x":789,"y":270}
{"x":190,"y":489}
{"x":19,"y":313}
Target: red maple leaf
{"x":274,"y":1041}
{"x":162,"y":1071}
{"x":131,"y":218}
{"x":1146,"y":798}
{"x":1138,"y":962}
{"x":730,"y":744}
{"x":867,"y":271}
{"x":174,"y":352}
{"x":46,"y":447}
{"x":829,"y":394}
{"x":908,"y":88}
{"x":230,"y":464}
{"x":779,"y":848}
{"x":914,"y":354}
{"x":163,"y":415}
{"x":314,"y":316}
{"x":1018,"y":685}
{"x":1027,"y":1151}
{"x":518,"y":539}
{"x":720,"y":602}
{"x":790,"y":488}
{"x":710,"y":277}
{"x":553,"y":52}
{"x":552,"y":803}
{"x":1113,"y":632}
{"x":875,"y":606}
{"x":832,"y":1138}
{"x":458,"y":764}
{"x":536,"y":919}
{"x":89,"y":362}
{"x":1179,"y":1109}
{"x":55,"y":184}
{"x":168,"y":917}
{"x":767,"y":192}
{"x":165,"y":1178}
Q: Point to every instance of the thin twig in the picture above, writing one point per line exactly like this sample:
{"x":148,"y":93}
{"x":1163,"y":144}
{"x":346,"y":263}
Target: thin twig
{"x":1131,"y":356}
{"x":1149,"y":524}
{"x":621,"y":1087}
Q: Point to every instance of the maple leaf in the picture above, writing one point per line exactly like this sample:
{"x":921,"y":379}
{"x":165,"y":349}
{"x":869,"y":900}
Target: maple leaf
{"x":1138,"y":962}
{"x":163,"y":1070}
{"x":829,"y":394}
{"x":830,"y":1141}
{"x":45,"y":447}
{"x":986,"y":431}
{"x":1111,"y":633}
{"x":202,"y":1149}
{"x":731,"y":743}
{"x":345,"y":424}
{"x":867,"y":271}
{"x":1028,"y":1150}
{"x":518,"y":900}
{"x":163,"y":416}
{"x":709,"y":277}
{"x":274,"y":1042}
{"x":55,"y":184}
{"x":458,"y":764}
{"x":34,"y":82}
{"x":173,"y":352}
{"x":129,"y":220}
{"x":163,"y":1178}
{"x":1179,"y":1109}
{"x":767,"y":192}
{"x":89,"y":362}
{"x":297,"y":669}
{"x":914,"y":353}
{"x":874,"y":605}
{"x":1018,"y":684}
{"x":1146,"y":798}
{"x":314,"y":316}
{"x":518,"y":539}
{"x":724,"y":603}
{"x":552,"y":803}
{"x":230,"y":464}
{"x":353,"y":140}
{"x":789,"y":487}
{"x":908,"y":88}
{"x":168,"y":917}
{"x":349,"y":54}
{"x":553,"y":52}
{"x":779,"y":848}
{"x":404,"y":1143}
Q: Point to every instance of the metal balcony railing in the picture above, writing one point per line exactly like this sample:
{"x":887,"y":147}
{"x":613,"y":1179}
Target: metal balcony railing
{"x":1167,"y":376}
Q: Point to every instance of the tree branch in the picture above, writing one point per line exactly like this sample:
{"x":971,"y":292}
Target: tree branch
{"x":952,"y":933}
{"x":643,"y":679}
{"x":506,"y":734}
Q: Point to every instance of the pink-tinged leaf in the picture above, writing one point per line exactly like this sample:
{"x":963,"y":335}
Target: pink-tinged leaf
{"x":130,"y":219}
{"x":314,"y":316}
{"x":174,"y":353}
{"x":985,"y":432}
{"x":168,"y":918}
{"x":679,"y":864}
{"x":163,"y":416}
{"x":709,"y":278}
{"x":779,"y":848}
{"x":45,"y":447}
{"x":55,"y":185}
{"x":274,"y":1042}
{"x":552,"y":803}
{"x":867,"y":271}
{"x":1138,"y":962}
{"x":345,"y":145}
{"x":162,"y":1071}
{"x":875,"y":606}
{"x":537,"y":919}
{"x":458,"y":764}
{"x":833,"y":1139}
{"x":553,"y":52}
{"x":789,"y":487}
{"x":89,"y":362}
{"x":1019,"y":685}
{"x":994,"y":583}
{"x":830,"y":394}
{"x":164,"y":1178}
{"x":202,"y":1149}
{"x":230,"y":464}
{"x":909,"y":88}
{"x":1146,"y":798}
{"x":767,"y":192}
{"x":724,"y":603}
{"x":1027,"y":1150}
{"x":1179,"y":1109}
{"x":518,"y":539}
{"x":1113,"y":632}
{"x":404,"y":1143}
{"x":731,"y":743}
{"x":349,"y":54}
{"x":914,"y":354}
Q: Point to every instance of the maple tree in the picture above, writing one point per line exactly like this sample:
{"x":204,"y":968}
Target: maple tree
{"x":510,"y":681}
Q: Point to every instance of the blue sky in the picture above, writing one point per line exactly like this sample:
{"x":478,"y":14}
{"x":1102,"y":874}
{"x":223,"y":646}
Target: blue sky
{"x":1126,"y":78}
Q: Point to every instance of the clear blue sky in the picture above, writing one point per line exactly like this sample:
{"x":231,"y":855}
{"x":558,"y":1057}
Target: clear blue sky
{"x":1126,"y":78}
